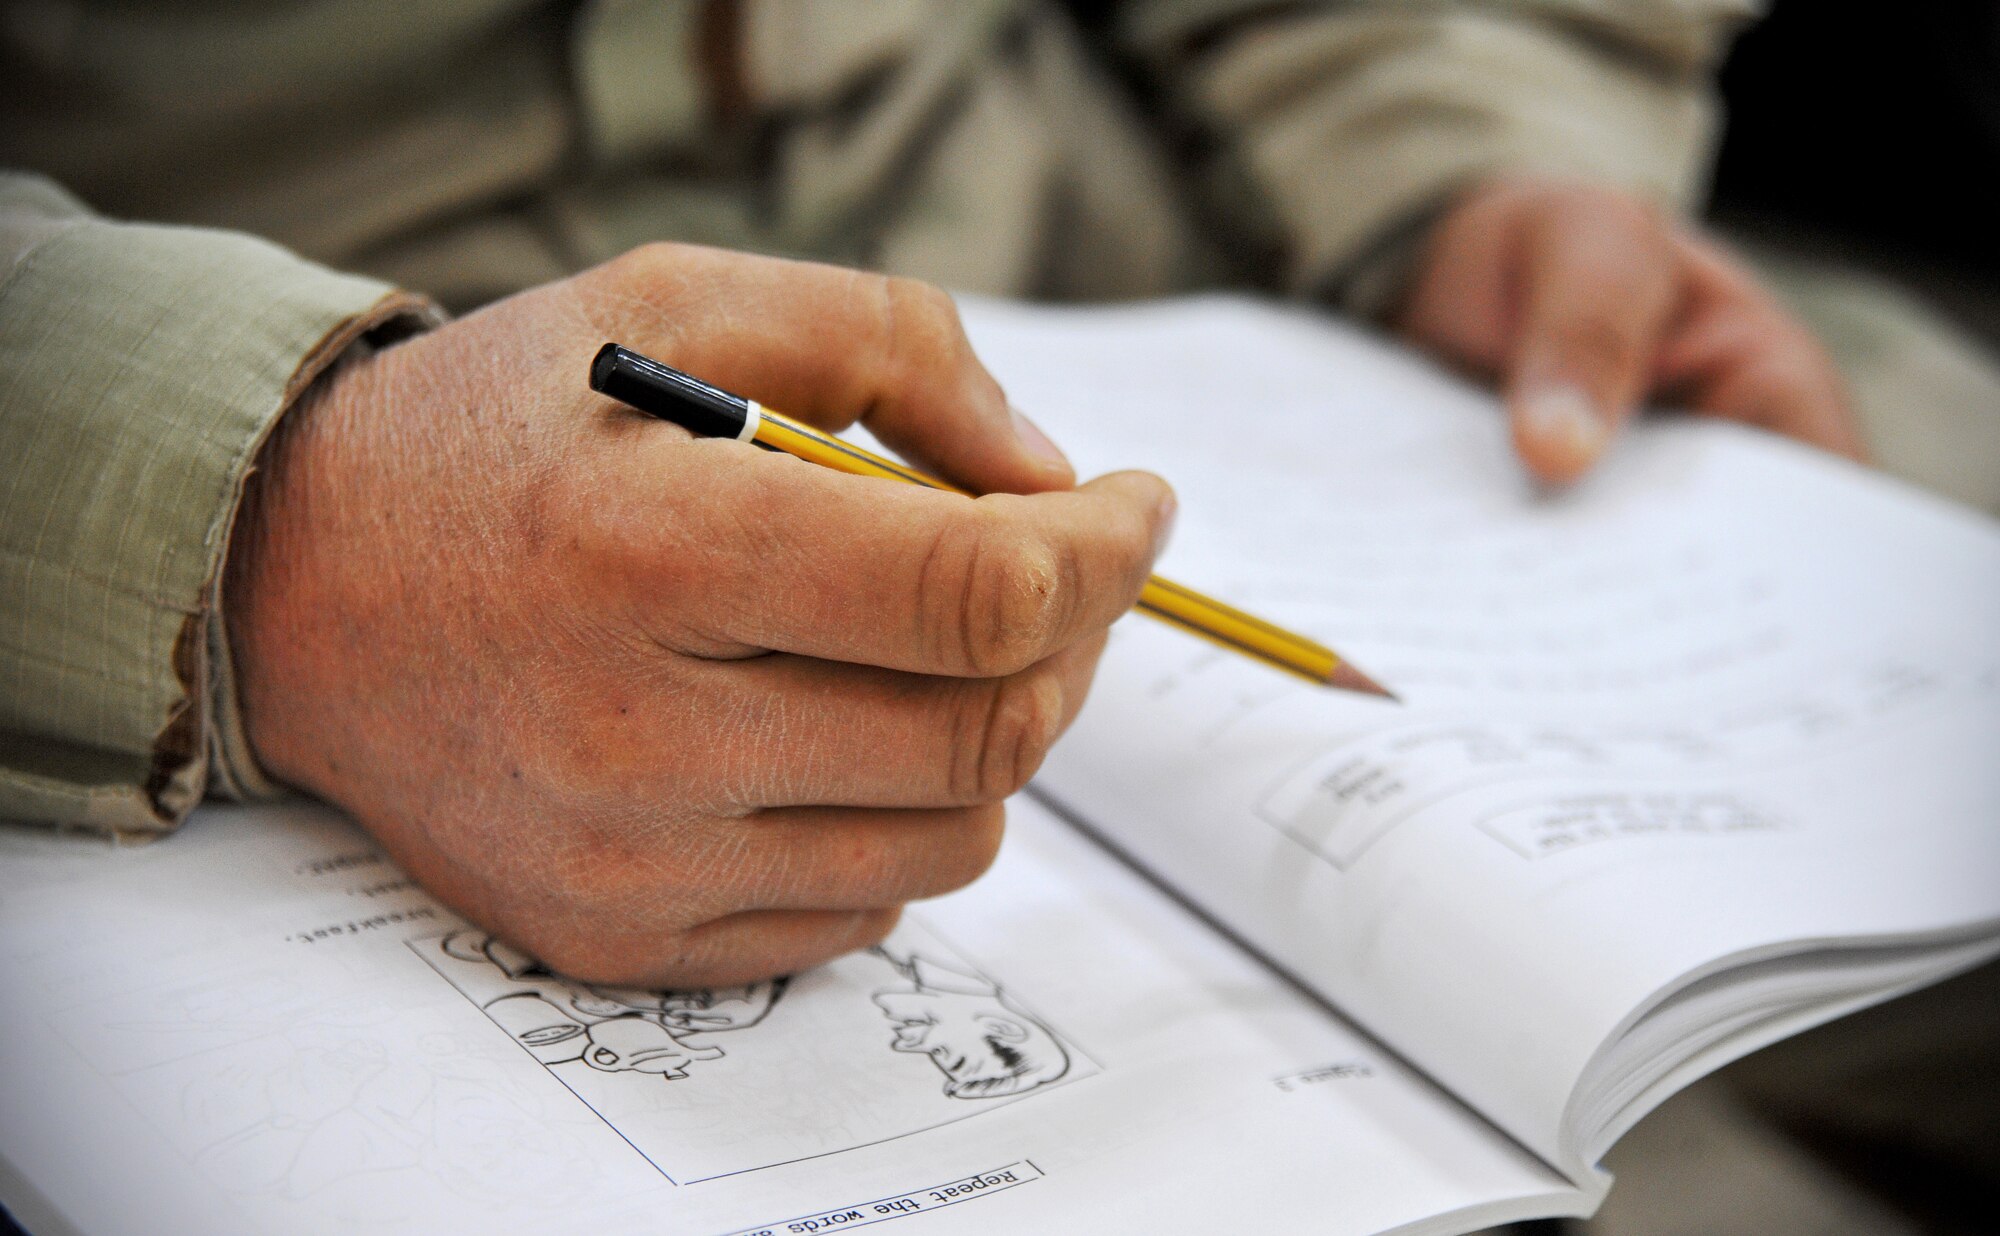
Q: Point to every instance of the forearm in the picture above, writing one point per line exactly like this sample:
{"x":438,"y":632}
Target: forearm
{"x":144,"y":366}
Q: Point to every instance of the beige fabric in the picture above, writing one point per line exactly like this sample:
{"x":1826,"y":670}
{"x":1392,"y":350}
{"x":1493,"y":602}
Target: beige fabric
{"x":1346,"y":121}
{"x":1926,"y":392}
{"x":472,"y":147}
{"x":468,"y":148}
{"x":140,"y":367}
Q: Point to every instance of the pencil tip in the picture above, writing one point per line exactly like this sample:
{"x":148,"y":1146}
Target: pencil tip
{"x":1346,"y":678}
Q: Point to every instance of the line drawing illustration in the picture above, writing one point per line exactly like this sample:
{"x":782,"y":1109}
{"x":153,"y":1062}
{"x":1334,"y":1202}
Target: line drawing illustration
{"x":984,"y":1046}
{"x":611,"y":1029}
{"x":1341,"y":800}
{"x":715,"y":1081}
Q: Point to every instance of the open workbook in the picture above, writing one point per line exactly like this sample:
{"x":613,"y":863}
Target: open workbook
{"x":1693,"y":757}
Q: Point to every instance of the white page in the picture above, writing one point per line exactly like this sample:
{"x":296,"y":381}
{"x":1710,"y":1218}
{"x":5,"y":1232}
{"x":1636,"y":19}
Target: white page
{"x":1726,"y":695}
{"x":256,"y":1026}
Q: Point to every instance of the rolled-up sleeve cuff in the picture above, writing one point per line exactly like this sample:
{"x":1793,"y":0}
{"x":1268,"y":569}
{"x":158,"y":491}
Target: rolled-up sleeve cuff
{"x":141,"y":369}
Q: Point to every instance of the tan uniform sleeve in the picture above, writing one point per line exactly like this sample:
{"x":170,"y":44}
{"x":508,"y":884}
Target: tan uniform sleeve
{"x":140,"y":369}
{"x":1350,"y":124}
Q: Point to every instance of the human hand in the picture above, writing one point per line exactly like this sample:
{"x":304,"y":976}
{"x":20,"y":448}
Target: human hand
{"x":666,"y":711}
{"x":1582,"y":302}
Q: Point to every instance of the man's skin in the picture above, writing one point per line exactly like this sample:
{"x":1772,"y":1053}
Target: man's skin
{"x":670,"y":713}
{"x":515,"y":629}
{"x":1581,"y":303}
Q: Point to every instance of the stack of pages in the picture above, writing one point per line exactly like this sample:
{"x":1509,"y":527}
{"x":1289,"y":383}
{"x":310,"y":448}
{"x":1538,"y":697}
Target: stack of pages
{"x":1688,"y":759}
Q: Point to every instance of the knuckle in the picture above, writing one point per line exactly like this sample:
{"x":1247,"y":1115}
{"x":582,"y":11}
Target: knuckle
{"x":603,"y":949}
{"x":644,"y":261}
{"x":923,"y":306}
{"x":658,"y":255}
{"x":1011,"y":725}
{"x":1015,"y":595}
{"x":925,"y":335}
{"x":992,"y":600}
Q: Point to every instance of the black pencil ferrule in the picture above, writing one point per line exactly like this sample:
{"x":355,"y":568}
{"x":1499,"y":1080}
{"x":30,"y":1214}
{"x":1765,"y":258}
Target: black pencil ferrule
{"x":663,"y":391}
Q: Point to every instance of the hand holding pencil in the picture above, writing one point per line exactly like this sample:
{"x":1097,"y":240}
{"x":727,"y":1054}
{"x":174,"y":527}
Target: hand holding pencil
{"x":662,"y":391}
{"x":661,"y":710}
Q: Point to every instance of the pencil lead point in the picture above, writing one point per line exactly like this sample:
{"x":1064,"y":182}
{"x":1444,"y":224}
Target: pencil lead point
{"x":1346,"y":678}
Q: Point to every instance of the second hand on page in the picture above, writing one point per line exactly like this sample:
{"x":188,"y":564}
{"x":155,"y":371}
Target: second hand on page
{"x":660,"y":390}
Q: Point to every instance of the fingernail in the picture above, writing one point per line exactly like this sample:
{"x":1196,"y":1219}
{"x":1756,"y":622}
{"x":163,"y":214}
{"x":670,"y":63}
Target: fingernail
{"x":1163,"y":526}
{"x":1035,"y":442}
{"x":1562,"y":418}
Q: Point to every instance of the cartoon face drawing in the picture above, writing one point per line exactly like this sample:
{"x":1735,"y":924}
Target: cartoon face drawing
{"x":689,"y":1010}
{"x":720,"y":1008}
{"x":638,"y":1045}
{"x":706,"y":1082}
{"x":611,"y":1029}
{"x":984,"y":1046}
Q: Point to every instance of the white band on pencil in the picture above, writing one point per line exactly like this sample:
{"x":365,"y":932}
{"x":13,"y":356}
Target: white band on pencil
{"x":753,"y":416}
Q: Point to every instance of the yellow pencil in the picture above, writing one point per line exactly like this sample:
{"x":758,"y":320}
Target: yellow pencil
{"x":662,"y":391}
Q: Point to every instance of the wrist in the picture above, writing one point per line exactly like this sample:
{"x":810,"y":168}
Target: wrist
{"x":262,"y":596}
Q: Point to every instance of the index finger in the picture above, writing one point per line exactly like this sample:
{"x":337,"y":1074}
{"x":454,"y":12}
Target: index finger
{"x":807,"y":560}
{"x":832,"y":346}
{"x":1597,"y":285}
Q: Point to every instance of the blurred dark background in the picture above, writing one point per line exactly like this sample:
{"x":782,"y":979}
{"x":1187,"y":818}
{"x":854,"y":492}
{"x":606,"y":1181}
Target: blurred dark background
{"x":1871,"y":132}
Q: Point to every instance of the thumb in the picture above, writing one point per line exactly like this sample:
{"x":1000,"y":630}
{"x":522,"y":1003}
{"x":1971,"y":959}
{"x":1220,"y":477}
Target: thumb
{"x":1597,"y":279}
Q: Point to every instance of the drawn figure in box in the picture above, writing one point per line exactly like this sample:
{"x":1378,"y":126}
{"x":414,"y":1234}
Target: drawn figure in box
{"x":691,"y":1010}
{"x":611,"y":1029}
{"x":984,"y":1046}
